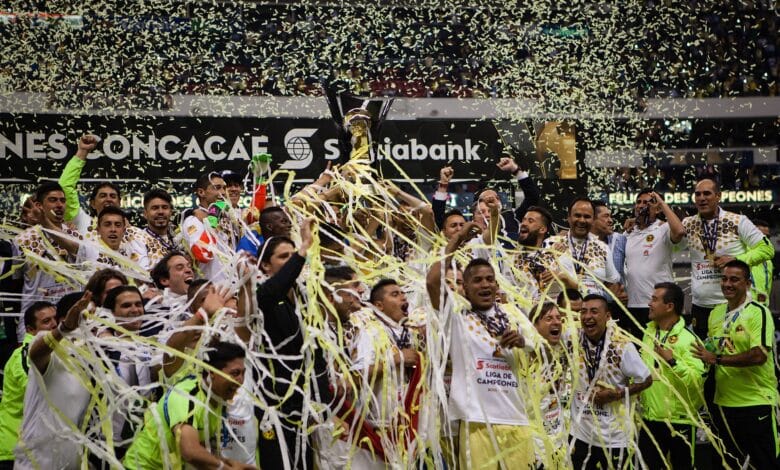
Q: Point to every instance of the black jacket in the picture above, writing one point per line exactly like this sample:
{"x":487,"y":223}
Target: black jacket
{"x":283,"y":329}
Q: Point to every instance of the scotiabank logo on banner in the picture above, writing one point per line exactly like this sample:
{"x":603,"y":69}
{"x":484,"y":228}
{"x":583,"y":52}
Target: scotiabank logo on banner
{"x":413,"y":150}
{"x":296,"y":150}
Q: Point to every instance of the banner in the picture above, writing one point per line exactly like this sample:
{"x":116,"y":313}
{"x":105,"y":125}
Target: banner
{"x":171,"y":148}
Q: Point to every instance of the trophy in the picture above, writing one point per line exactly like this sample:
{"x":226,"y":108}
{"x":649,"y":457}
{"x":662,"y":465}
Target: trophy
{"x":358,"y":121}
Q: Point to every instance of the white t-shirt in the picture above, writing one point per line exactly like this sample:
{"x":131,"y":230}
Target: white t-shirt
{"x":40,"y":281}
{"x":241,"y":444}
{"x":375,"y":343}
{"x":484,"y":387}
{"x":648,"y":261}
{"x":735,"y":234}
{"x":549,"y":379}
{"x":54,"y":407}
{"x":608,"y":425}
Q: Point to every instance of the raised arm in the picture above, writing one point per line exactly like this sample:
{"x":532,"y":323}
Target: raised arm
{"x":214,"y":301}
{"x":419,"y":207}
{"x":71,"y":175}
{"x":439,"y":202}
{"x":277,"y":286}
{"x":494,"y":224}
{"x":676,"y":229}
{"x":527,"y":185}
{"x":433,"y":278}
{"x":42,"y":347}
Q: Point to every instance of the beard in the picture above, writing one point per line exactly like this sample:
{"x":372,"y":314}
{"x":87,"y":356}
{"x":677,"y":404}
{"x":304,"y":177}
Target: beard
{"x":530,"y":239}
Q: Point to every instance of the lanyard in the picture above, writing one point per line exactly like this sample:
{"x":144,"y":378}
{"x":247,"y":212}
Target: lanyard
{"x":658,"y":335}
{"x":730,"y":320}
{"x":495,"y":324}
{"x":709,"y":237}
{"x":168,"y":245}
{"x":402,"y":342}
{"x":578,"y":255}
{"x":225,"y":431}
{"x":592,"y":358}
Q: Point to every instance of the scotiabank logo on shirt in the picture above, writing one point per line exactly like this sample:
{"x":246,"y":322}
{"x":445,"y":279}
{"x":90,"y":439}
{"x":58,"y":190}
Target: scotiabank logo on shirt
{"x":496,"y":373}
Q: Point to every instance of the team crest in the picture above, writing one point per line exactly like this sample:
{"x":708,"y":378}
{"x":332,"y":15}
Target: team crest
{"x":649,"y":238}
{"x":672,"y":339}
{"x":740,"y":329}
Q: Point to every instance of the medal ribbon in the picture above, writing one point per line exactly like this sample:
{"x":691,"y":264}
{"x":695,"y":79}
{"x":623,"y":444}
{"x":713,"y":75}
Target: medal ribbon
{"x":168,"y":245}
{"x":592,"y":359}
{"x":578,"y":255}
{"x":709,"y":238}
{"x":495,"y":324}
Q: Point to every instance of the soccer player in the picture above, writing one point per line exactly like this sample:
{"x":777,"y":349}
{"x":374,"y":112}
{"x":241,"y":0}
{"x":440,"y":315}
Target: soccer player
{"x":40,"y":316}
{"x":676,"y":393}
{"x":53,"y":241}
{"x":609,"y":369}
{"x":648,"y":259}
{"x":592,"y":260}
{"x":189,"y":417}
{"x":545,"y":270}
{"x":715,"y":237}
{"x":484,"y":395}
{"x":740,"y":349}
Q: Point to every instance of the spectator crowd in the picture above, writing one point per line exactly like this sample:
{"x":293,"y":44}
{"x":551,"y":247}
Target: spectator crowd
{"x":663,"y":49}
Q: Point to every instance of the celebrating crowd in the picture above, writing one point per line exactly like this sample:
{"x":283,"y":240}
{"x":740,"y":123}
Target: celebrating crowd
{"x":355,"y":325}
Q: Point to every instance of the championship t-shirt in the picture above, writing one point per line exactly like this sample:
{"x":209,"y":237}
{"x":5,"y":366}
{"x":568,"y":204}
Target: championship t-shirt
{"x":484,"y":387}
{"x":729,"y":234}
{"x":592,"y":261}
{"x":54,"y":406}
{"x":377,"y":343}
{"x":734,"y":332}
{"x":548,"y":385}
{"x":42,"y":281}
{"x":531,"y":263}
{"x":648,"y":261}
{"x":618,"y":363}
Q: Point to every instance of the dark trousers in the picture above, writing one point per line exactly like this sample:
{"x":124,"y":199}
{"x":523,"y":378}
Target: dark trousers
{"x":658,"y":438}
{"x":699,"y":320}
{"x":641,"y":316}
{"x":747,"y":431}
{"x":269,"y":447}
{"x":623,"y":320}
{"x":6,"y":464}
{"x":587,"y":457}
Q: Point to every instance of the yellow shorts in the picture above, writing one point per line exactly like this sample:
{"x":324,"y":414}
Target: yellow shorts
{"x":514,"y":446}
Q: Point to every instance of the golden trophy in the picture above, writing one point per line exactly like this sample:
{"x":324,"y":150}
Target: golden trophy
{"x":358,"y":120}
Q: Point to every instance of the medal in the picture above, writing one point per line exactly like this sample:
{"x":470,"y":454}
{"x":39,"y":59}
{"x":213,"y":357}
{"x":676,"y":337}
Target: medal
{"x":578,"y":255}
{"x":709,"y":239}
{"x":496,"y":325}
